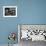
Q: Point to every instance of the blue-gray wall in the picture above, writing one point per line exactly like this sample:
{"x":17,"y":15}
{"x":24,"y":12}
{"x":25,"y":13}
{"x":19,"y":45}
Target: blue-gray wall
{"x":29,"y":12}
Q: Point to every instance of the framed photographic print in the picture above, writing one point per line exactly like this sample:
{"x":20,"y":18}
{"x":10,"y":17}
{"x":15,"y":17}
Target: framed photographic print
{"x":9,"y":11}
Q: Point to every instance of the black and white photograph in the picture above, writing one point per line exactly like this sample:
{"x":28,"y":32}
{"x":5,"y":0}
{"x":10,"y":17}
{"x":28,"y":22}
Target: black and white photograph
{"x":9,"y":11}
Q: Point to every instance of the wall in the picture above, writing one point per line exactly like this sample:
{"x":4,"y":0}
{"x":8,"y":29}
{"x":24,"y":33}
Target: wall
{"x":7,"y":25}
{"x":33,"y":11}
{"x":29,"y":12}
